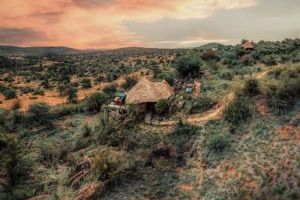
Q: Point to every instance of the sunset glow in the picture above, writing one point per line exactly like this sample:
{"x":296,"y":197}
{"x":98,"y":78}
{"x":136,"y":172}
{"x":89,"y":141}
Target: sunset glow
{"x":93,"y":24}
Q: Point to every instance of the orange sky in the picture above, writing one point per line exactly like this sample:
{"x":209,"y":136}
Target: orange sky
{"x":100,"y":23}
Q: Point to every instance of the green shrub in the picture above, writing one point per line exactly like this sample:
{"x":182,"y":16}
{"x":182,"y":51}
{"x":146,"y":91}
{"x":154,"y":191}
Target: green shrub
{"x":202,"y":104}
{"x":169,"y":77}
{"x":3,"y":115}
{"x":217,"y":143}
{"x":110,"y":165}
{"x":188,"y":66}
{"x":251,"y":87}
{"x":110,"y":89}
{"x":227,"y":75}
{"x":238,"y":111}
{"x":86,"y":83}
{"x":182,"y":137}
{"x":10,"y":93}
{"x":71,"y":94}
{"x":130,"y":82}
{"x":39,"y":113}
{"x":95,"y":101}
{"x":51,"y":154}
{"x":162,"y":107}
{"x":283,"y":96}
{"x":86,"y":130}
{"x":38,"y":92}
{"x":68,"y":109}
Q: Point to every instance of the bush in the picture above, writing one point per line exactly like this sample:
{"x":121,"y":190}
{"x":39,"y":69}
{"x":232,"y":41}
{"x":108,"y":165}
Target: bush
{"x":202,"y":104}
{"x":67,"y":109}
{"x":110,"y":165}
{"x":52,"y":154}
{"x":188,"y":66}
{"x":227,"y":75}
{"x":38,"y":92}
{"x":238,"y":111}
{"x":3,"y":116}
{"x":86,"y":130}
{"x":162,"y":107}
{"x":71,"y":94}
{"x":95,"y":101}
{"x":282,"y":97}
{"x":39,"y":112}
{"x":167,"y":77}
{"x":86,"y":83}
{"x":110,"y":89}
{"x":182,"y":137}
{"x":130,"y":82}
{"x":251,"y":87}
{"x":10,"y":93}
{"x":217,"y":143}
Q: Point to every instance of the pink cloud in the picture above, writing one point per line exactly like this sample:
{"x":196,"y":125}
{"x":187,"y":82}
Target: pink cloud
{"x":98,"y":23}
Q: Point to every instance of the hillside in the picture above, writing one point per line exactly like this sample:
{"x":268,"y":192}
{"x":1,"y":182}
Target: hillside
{"x":230,"y":130}
{"x":36,"y":51}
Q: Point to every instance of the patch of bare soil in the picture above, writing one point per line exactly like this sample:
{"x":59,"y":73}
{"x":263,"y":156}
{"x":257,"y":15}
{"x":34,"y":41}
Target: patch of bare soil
{"x":262,"y":107}
{"x":186,"y":187}
{"x":289,"y":132}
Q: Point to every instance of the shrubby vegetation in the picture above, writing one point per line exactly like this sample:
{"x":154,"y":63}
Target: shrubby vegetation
{"x":123,"y":157}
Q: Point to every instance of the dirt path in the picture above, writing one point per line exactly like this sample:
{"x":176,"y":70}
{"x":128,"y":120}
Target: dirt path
{"x":214,"y":113}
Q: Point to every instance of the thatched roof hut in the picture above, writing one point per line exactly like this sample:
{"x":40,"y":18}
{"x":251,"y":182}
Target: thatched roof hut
{"x":146,"y":91}
{"x":248,"y":45}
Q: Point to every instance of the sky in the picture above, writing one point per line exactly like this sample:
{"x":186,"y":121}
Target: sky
{"x":107,"y":24}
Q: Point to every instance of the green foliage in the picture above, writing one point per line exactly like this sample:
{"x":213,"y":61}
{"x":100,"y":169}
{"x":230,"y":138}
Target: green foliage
{"x":182,"y":137}
{"x":169,"y":77}
{"x":39,"y":112}
{"x":3,"y":116}
{"x":251,"y":87}
{"x":86,"y":130}
{"x":9,"y":93}
{"x":130,"y":82}
{"x":68,"y":109}
{"x":110,"y":89}
{"x":110,"y":165}
{"x":71,"y":94}
{"x":51,"y":154}
{"x":283,"y":96}
{"x":162,"y":106}
{"x":217,"y":143}
{"x":86,"y":83}
{"x":202,"y":104}
{"x":95,"y":101}
{"x":238,"y":111}
{"x":188,"y":66}
{"x":226,"y":75}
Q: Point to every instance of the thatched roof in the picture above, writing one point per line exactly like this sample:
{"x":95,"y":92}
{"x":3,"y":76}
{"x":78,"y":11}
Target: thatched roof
{"x":248,"y":45}
{"x":146,"y":91}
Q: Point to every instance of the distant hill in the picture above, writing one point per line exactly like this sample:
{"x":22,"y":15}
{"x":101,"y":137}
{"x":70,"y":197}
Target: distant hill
{"x":38,"y":51}
{"x":209,"y":46}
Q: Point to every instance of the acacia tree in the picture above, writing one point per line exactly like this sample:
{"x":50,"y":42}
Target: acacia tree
{"x":188,"y":66}
{"x":72,"y":94}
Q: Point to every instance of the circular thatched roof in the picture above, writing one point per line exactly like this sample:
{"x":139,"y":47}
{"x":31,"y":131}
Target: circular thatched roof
{"x":146,"y":91}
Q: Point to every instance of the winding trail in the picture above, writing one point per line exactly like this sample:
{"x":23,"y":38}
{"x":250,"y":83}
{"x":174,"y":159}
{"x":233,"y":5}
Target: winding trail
{"x":215,"y":113}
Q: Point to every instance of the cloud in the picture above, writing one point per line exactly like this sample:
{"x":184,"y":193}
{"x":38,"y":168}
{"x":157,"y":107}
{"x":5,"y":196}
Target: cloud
{"x":14,"y":36}
{"x":98,"y":23}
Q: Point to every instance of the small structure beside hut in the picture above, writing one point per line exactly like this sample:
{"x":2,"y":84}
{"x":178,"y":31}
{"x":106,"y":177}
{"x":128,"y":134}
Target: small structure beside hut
{"x":117,"y":107}
{"x":146,"y":93}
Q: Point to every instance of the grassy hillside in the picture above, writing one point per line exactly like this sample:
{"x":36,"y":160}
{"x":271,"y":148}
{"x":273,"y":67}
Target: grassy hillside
{"x":236,"y":136}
